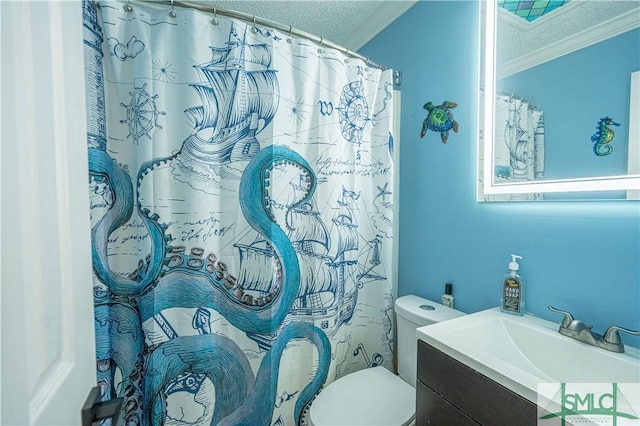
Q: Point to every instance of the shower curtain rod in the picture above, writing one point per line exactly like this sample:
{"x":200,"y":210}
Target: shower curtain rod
{"x":518,"y":97}
{"x":267,"y":22}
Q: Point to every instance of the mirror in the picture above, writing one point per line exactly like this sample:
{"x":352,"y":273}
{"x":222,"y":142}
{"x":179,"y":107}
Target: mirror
{"x":563,"y":118}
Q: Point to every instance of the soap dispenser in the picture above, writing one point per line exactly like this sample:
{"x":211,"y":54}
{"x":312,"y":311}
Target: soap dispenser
{"x":512,"y":300}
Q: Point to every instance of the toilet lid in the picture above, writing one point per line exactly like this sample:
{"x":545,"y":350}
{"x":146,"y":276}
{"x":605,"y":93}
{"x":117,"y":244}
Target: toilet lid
{"x":373,"y":396}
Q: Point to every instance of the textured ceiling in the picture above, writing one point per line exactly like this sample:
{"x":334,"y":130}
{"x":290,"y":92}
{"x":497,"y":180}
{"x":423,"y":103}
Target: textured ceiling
{"x":353,"y":23}
{"x":517,"y":37}
{"x":347,"y":23}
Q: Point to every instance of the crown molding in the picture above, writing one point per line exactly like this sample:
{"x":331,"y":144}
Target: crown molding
{"x":608,"y":29}
{"x":384,"y":15}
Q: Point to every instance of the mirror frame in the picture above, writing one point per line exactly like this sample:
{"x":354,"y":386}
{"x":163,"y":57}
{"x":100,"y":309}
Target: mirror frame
{"x":609,"y":183}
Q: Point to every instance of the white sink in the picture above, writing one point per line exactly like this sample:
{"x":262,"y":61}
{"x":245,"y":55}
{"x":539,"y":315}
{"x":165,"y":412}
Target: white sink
{"x":520,"y":352}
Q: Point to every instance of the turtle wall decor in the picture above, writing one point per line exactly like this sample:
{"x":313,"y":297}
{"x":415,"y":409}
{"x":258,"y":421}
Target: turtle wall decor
{"x":439,"y":119}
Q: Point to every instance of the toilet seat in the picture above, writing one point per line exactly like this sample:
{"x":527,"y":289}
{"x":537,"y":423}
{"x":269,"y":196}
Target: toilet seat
{"x":373,"y":396}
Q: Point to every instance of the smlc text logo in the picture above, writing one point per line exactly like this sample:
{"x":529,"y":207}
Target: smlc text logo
{"x":614,"y":404}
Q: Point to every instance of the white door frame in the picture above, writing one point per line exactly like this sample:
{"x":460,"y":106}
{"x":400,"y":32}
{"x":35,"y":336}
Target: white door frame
{"x":47,"y":323}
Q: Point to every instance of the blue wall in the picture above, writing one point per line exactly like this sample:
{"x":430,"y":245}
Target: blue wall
{"x":583,"y":257}
{"x":592,"y":90}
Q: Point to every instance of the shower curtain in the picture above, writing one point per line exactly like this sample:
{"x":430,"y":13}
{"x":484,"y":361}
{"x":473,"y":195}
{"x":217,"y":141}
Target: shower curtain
{"x":241,"y":215}
{"x":519,"y":143}
{"x":519,"y":148}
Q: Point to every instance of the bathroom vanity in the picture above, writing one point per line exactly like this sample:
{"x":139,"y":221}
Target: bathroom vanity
{"x":486,"y":368}
{"x":450,"y":393}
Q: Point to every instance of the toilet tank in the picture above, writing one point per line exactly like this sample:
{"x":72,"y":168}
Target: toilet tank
{"x":413,"y":312}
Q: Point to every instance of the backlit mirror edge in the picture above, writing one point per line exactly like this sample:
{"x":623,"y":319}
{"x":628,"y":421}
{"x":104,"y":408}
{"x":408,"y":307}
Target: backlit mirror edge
{"x":630,"y":183}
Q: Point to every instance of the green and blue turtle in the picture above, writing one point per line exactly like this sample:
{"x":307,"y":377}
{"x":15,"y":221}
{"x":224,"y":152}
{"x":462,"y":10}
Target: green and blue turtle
{"x":439,"y":119}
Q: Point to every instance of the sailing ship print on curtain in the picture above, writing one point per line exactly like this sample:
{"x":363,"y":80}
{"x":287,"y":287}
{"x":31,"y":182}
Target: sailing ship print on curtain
{"x":241,"y":214}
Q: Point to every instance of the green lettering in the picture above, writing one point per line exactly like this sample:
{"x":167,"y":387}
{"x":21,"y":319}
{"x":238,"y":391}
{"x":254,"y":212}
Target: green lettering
{"x":611,"y":397}
{"x":575,"y":401}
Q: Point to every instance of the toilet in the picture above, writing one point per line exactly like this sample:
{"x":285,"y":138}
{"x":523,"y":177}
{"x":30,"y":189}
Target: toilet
{"x":375,"y":396}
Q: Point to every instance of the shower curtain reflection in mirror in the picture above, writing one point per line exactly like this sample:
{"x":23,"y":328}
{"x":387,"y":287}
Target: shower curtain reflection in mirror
{"x":518,"y":146}
{"x":519,"y":140}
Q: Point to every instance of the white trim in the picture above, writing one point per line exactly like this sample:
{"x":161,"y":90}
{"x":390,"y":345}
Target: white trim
{"x":47,"y":273}
{"x":606,"y":30}
{"x":397,"y":102}
{"x":384,"y":15}
{"x":489,"y":98}
{"x":634,"y":133}
{"x":1,"y":204}
{"x":609,"y":183}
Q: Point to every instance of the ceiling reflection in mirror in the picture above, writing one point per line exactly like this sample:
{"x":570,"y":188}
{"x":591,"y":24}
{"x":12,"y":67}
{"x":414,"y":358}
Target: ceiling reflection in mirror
{"x":530,"y":10}
{"x":563,"y":101}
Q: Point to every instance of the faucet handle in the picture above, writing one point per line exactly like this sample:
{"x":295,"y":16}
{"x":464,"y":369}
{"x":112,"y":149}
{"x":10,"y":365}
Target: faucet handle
{"x":612,"y":336}
{"x":568,"y":318}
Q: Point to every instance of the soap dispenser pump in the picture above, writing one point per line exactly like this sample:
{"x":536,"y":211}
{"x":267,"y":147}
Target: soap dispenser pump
{"x":512,"y":300}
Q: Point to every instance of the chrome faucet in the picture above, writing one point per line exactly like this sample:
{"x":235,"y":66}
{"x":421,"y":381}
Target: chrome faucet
{"x":580,"y":331}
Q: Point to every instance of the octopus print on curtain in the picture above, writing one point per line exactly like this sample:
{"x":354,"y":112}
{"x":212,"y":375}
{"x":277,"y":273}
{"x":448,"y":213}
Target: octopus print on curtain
{"x":242,"y":215}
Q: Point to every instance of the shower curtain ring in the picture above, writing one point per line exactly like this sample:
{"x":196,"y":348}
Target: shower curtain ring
{"x":289,"y":38}
{"x":346,"y":60}
{"x":254,"y":29}
{"x":128,"y":7}
{"x":172,"y":12}
{"x":320,"y":49}
{"x":214,"y":21}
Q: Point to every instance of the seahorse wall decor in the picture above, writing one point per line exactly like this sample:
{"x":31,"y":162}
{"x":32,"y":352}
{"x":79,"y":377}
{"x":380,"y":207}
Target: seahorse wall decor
{"x":603,"y":136}
{"x":439,"y":119}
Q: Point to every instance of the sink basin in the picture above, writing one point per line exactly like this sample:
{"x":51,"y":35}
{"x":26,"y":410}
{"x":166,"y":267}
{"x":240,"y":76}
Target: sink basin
{"x":521,"y":352}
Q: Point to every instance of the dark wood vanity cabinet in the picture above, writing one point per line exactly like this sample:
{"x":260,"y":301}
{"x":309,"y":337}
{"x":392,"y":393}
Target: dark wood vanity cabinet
{"x":449,"y":393}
